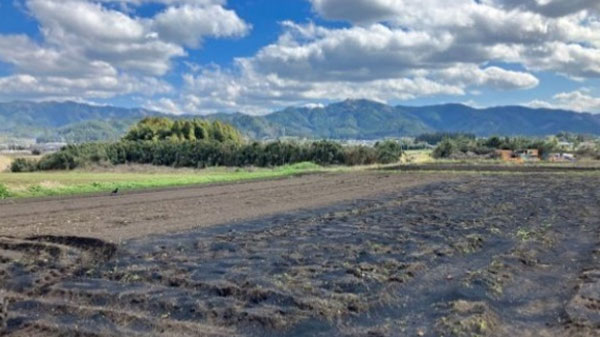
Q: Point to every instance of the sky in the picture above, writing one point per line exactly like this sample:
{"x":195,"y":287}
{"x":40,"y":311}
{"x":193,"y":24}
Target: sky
{"x":258,"y":56}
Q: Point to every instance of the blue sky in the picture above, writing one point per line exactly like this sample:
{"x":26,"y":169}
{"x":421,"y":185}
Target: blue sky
{"x":256,"y":56}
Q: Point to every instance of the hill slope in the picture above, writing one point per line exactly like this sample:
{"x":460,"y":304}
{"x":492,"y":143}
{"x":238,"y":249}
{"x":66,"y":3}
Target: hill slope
{"x":351,"y":119}
{"x":66,"y":119}
{"x":509,"y":120}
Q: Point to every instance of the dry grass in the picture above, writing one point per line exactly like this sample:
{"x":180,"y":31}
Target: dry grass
{"x":5,"y":163}
{"x":417,"y":157}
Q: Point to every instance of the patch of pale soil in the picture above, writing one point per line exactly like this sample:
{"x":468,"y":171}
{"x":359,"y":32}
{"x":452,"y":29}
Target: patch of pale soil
{"x":132,"y":215}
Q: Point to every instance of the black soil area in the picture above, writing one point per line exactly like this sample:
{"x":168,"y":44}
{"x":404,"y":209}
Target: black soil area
{"x":528,"y":168}
{"x":509,"y":255}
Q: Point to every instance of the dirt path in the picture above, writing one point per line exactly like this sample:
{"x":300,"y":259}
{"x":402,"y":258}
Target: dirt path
{"x":122,"y":217}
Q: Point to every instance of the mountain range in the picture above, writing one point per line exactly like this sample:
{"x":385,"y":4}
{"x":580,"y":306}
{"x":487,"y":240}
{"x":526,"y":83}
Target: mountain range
{"x":350,"y":119}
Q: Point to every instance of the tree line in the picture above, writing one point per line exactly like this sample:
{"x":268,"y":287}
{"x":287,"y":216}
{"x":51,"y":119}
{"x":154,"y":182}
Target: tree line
{"x":460,"y":145}
{"x":199,"y":144}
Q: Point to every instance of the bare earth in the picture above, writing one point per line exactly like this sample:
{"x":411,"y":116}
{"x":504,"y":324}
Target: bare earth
{"x":344,"y":255}
{"x":122,"y":217}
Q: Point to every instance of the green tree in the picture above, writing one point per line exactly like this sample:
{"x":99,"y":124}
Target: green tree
{"x":445,"y":149}
{"x":388,"y":151}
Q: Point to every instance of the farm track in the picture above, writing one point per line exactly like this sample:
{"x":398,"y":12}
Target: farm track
{"x":405,"y":255}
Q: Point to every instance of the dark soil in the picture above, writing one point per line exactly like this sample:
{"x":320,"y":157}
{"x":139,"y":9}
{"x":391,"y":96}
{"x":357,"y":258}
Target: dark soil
{"x":511,"y":255}
{"x":523,"y":168}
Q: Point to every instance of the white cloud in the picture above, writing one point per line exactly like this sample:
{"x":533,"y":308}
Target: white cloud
{"x":552,"y":8}
{"x":579,"y":100}
{"x":568,"y":41}
{"x":495,"y":77}
{"x":359,"y":11}
{"x":165,"y":105}
{"x":144,"y":45}
{"x":403,"y":49}
{"x":251,"y":91}
{"x":376,"y":52}
{"x":390,"y":50}
{"x":29,"y":57}
{"x":60,"y":88}
{"x":369,"y":11}
{"x":312,"y":64}
{"x":188,"y":24}
{"x":98,"y":49}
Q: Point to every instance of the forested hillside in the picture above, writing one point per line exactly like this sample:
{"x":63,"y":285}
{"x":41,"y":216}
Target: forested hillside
{"x":351,"y":119}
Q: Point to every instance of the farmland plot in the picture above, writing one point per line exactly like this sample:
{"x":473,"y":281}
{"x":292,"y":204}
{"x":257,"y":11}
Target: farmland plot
{"x":505,"y":255}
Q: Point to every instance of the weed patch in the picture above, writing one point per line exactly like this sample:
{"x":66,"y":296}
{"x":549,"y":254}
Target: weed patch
{"x":4,"y":192}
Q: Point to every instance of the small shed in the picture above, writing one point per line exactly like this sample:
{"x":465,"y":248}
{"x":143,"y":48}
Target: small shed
{"x":562,"y":157}
{"x":509,"y":156}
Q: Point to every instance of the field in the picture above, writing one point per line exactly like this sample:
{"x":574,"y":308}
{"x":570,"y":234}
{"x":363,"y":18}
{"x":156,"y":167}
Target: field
{"x":39,"y":184}
{"x":337,"y":254}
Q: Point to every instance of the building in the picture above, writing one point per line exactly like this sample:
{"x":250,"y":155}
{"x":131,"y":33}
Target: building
{"x":562,"y":158}
{"x":519,"y":156}
{"x":508,"y":156}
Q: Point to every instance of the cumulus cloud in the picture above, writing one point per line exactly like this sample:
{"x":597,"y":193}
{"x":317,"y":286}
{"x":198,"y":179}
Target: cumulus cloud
{"x":579,"y":100}
{"x":388,"y":50}
{"x":401,"y":49}
{"x":164,"y":104}
{"x":188,"y":24}
{"x":310,"y":64}
{"x":249,"y":90}
{"x":487,"y":30}
{"x":359,"y":11}
{"x":552,"y":8}
{"x":369,"y":11}
{"x":96,"y":49}
{"x":61,"y":88}
{"x":495,"y":77}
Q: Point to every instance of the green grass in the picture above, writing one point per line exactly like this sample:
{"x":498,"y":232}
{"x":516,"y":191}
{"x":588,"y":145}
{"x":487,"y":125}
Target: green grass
{"x":39,"y":184}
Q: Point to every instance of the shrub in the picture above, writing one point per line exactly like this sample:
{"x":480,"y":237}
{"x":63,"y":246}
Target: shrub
{"x":589,"y":151}
{"x":62,"y":160}
{"x":23,"y":165}
{"x":388,"y":151}
{"x":445,"y":149}
{"x":360,"y":155}
{"x":327,"y":153}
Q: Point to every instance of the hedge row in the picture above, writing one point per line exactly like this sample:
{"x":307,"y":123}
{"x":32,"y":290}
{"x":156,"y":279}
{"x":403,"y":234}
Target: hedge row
{"x":200,"y":154}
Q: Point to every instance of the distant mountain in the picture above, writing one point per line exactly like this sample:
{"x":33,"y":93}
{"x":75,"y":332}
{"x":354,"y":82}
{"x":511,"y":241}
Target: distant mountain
{"x":254,"y":127}
{"x":350,"y":119}
{"x":509,"y":120}
{"x":67,"y":120}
